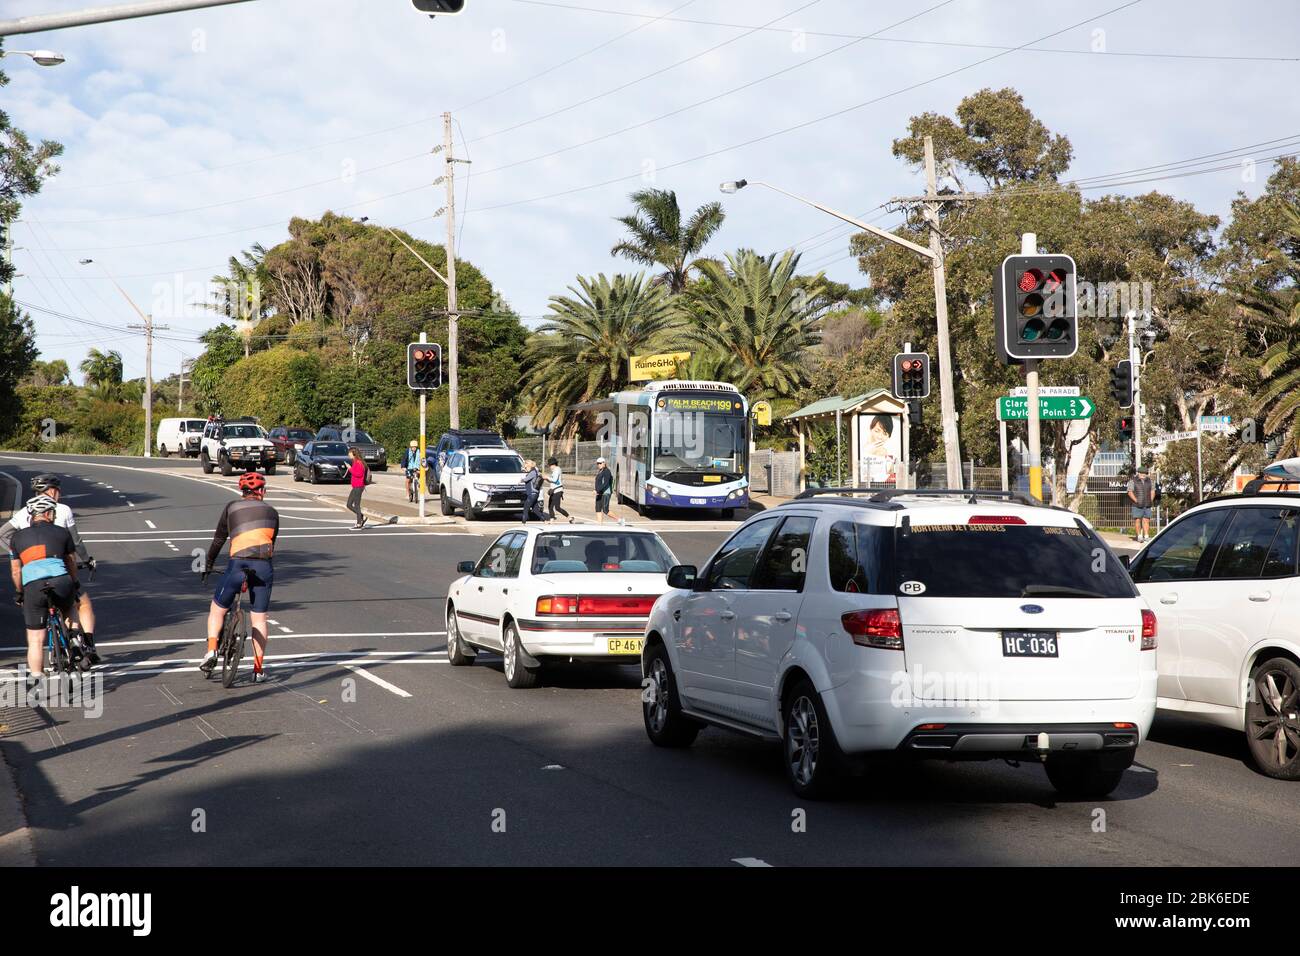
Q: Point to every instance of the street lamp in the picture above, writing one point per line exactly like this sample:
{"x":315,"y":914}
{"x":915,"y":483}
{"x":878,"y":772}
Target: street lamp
{"x":951,"y":446}
{"x":41,"y":57}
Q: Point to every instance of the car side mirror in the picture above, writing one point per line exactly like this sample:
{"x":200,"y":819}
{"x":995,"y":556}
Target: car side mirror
{"x":1127,"y":561}
{"x":458,"y":471}
{"x":682,"y":577}
{"x":464,"y":567}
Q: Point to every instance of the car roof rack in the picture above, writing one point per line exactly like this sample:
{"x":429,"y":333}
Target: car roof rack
{"x":1256,"y":486}
{"x":885,"y":495}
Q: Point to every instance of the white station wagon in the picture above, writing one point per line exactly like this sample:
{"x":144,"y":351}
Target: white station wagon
{"x":547,"y":594}
{"x":949,"y":625}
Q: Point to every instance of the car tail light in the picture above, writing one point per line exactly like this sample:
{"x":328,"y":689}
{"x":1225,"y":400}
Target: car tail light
{"x":932,"y":727}
{"x":557,"y":604}
{"x":1124,"y":725}
{"x":632,"y":605}
{"x":875,"y":627}
{"x":995,"y":519}
{"x":1148,"y":630}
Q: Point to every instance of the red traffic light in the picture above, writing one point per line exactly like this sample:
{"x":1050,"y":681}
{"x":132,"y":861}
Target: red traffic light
{"x":1029,"y":280}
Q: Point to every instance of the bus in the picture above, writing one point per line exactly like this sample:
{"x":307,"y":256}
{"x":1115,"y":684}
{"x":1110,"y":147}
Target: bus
{"x":680,"y":444}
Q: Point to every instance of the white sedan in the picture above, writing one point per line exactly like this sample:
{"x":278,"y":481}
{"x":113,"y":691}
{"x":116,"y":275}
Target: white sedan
{"x":537,"y":595}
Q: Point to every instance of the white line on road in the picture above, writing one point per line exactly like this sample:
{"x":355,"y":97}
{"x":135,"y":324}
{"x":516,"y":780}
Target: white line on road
{"x":411,"y":532}
{"x":750,"y":861}
{"x":391,"y":688}
{"x":150,"y":524}
{"x":181,"y":641}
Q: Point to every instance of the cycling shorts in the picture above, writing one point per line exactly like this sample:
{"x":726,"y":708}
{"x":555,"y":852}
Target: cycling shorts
{"x":37,"y":601}
{"x":260,"y":578}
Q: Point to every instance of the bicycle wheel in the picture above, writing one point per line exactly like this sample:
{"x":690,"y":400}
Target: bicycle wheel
{"x":60,"y":662}
{"x":234,"y":648}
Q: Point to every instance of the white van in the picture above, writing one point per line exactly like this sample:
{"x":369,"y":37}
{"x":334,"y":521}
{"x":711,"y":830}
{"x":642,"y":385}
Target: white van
{"x":180,"y":436}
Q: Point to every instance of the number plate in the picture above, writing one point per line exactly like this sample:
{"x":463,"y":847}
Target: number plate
{"x":1029,"y":644}
{"x":625,"y":645}
{"x":699,"y":501}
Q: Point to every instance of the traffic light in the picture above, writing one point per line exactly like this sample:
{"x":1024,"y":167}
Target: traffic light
{"x":423,"y":366}
{"x":1126,"y":428}
{"x":911,"y":378}
{"x":914,"y":413}
{"x":1035,"y":307}
{"x":432,"y":7}
{"x":1121,"y":384}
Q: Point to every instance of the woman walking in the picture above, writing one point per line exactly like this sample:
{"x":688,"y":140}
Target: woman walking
{"x":555,"y":477}
{"x":357,"y":472}
{"x":532,"y":489}
{"x":604,"y":490}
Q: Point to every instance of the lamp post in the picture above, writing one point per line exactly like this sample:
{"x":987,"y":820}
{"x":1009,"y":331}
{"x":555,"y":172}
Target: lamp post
{"x":951,"y":445}
{"x":40,"y":57}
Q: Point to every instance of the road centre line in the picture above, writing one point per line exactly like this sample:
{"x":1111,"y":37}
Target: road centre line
{"x":391,"y":688}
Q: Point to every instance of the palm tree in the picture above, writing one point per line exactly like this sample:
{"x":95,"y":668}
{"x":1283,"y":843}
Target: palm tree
{"x":658,"y":237}
{"x":580,"y":353}
{"x":1278,"y":314}
{"x":708,"y":365}
{"x":240,"y":295}
{"x":103,"y":370}
{"x":760,"y":311}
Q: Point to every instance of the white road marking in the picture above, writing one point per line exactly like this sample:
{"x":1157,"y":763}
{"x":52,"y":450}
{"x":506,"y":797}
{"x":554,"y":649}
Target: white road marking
{"x":150,"y":524}
{"x":181,"y":641}
{"x":1137,"y":768}
{"x":182,"y":668}
{"x":370,"y":532}
{"x":391,"y":688}
{"x":750,"y":861}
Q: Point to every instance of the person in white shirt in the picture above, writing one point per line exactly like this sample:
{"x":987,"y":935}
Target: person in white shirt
{"x":63,"y":518}
{"x":555,"y":477}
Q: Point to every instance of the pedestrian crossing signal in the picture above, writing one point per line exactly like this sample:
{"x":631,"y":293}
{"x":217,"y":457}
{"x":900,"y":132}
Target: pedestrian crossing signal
{"x":423,"y":366}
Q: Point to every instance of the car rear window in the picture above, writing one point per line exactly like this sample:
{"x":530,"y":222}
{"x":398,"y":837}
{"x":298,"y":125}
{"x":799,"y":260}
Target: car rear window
{"x":1006,"y":560}
{"x":586,"y":552}
{"x":858,"y":558}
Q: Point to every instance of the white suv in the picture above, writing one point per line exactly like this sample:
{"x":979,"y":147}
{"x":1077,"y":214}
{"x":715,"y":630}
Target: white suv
{"x":1223,"y":581}
{"x":478,"y":480}
{"x":955,"y":625}
{"x":236,"y":444}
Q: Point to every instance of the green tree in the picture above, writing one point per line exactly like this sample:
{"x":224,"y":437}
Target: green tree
{"x":658,"y":237}
{"x":55,"y":372}
{"x":763,"y":313}
{"x":222,"y":349}
{"x":102,"y":370}
{"x":581,"y":351}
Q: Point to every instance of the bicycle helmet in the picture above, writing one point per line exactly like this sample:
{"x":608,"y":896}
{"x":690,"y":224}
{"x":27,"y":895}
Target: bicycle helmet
{"x":252,"y":482}
{"x":41,"y":504}
{"x":43,"y":482}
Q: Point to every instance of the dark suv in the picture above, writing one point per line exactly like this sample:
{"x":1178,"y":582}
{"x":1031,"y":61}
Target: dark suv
{"x":453,"y":441}
{"x":288,"y":440}
{"x":372,"y":453}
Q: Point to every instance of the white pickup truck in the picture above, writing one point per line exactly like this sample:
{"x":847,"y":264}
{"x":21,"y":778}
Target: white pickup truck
{"x":238,"y":444}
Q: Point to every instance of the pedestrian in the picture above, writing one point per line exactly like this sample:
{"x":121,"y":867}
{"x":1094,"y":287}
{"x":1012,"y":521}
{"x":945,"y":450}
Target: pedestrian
{"x":359,"y":473}
{"x":532,"y":490}
{"x":1141,"y":495}
{"x":604,"y":490}
{"x":555,"y":477}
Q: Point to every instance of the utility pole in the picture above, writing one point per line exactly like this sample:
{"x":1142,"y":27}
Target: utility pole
{"x":453,"y":317}
{"x":947,"y":401}
{"x":420,"y":477}
{"x":1029,"y":247}
{"x":148,"y":328}
{"x":1135,"y":366}
{"x":186,"y":365}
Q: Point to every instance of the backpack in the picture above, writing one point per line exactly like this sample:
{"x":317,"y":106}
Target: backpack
{"x":369,"y":478}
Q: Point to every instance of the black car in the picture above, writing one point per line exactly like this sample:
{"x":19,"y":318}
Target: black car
{"x":372,"y":453}
{"x":319,"y":461}
{"x":453,"y":441}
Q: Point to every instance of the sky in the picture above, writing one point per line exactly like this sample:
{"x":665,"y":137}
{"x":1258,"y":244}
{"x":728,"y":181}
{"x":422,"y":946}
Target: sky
{"x":188,"y":137}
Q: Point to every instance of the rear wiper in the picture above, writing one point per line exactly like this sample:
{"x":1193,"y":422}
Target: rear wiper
{"x":1053,"y":590}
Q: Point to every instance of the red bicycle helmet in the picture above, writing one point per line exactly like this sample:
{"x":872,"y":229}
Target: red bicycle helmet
{"x":252,"y":482}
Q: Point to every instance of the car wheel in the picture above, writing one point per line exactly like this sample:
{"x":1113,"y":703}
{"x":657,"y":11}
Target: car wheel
{"x":1082,"y":775}
{"x":665,"y":724}
{"x":270,"y":469}
{"x":227,"y":468}
{"x":313,"y":476}
{"x":165,"y":452}
{"x":812,"y":757}
{"x":459,"y":653}
{"x":297,"y":475}
{"x":1273,"y":719}
{"x":517,"y":675}
{"x":467,"y":507}
{"x":444,"y":505}
{"x":205,"y":462}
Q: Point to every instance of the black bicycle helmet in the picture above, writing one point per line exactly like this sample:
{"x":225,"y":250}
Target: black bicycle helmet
{"x":45,"y":482}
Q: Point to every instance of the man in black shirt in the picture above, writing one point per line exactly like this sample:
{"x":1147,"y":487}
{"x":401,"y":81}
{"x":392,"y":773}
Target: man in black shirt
{"x":43,"y":565}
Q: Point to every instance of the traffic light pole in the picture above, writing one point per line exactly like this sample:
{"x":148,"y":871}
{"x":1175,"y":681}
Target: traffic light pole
{"x":453,"y":316}
{"x":1029,"y":247}
{"x":1135,"y":369}
{"x":424,"y":337}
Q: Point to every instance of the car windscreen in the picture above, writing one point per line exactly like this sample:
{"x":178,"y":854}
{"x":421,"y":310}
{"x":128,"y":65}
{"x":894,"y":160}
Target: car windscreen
{"x":300,"y":434}
{"x":242,"y":431}
{"x":363,"y":438}
{"x":330,"y":448}
{"x":495,"y":464}
{"x":1006,"y":561}
{"x":584,"y":552}
{"x":194,"y":425}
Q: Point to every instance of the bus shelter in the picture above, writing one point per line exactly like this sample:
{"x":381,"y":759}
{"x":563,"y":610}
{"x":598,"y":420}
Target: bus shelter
{"x":875,"y":426}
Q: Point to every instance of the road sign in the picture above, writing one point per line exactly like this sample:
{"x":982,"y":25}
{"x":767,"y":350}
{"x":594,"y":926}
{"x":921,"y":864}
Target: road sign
{"x":1216,"y":423}
{"x":763,"y":413}
{"x":1050,"y":408}
{"x":1046,"y":391}
{"x":643,"y":368}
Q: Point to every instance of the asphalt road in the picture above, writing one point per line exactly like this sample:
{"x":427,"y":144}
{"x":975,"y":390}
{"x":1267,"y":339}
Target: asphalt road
{"x":367,"y":748}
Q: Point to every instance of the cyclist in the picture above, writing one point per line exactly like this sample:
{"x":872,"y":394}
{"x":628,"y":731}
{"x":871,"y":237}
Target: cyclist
{"x":42,"y":556}
{"x":50,"y":486}
{"x":251,"y":525}
{"x":411,"y":465}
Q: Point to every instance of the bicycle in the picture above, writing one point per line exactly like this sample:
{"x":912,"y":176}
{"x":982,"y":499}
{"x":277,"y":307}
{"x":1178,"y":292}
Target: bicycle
{"x":234,"y":635}
{"x":66,"y":650}
{"x":412,"y":485}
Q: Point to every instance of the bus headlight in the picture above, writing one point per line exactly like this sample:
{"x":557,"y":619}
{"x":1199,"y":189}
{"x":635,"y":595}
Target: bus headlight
{"x":657,"y":491}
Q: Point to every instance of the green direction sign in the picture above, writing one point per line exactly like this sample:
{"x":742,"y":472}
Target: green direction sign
{"x":1050,"y":408}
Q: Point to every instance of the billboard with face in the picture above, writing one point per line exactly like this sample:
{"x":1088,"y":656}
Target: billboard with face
{"x":880,"y":446}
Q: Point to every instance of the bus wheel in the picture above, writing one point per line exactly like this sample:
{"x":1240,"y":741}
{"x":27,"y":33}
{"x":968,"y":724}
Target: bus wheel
{"x":728,"y":514}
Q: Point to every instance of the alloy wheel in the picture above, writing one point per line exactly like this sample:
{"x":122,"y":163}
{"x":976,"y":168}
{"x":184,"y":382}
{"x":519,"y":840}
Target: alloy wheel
{"x":659,"y":703}
{"x":803,"y":737}
{"x":1274,"y":718}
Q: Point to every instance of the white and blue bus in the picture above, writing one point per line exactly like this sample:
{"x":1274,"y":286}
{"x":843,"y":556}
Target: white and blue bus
{"x":680,"y":444}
